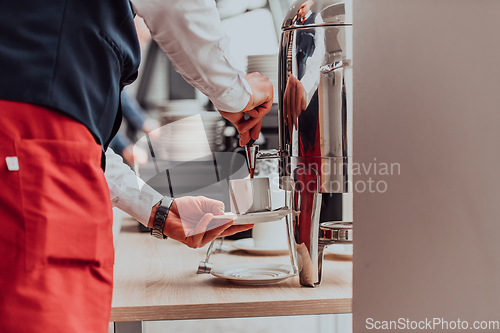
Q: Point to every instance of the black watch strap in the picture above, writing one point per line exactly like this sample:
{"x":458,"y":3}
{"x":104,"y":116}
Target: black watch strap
{"x":160,"y":217}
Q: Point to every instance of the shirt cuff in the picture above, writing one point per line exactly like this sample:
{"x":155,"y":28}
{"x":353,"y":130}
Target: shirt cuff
{"x":138,"y":201}
{"x":234,"y":99}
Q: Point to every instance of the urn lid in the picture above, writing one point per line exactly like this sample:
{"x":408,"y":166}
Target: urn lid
{"x":312,"y":13}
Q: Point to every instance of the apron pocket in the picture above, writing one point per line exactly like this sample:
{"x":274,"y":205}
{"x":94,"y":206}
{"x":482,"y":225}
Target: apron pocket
{"x":66,"y":207}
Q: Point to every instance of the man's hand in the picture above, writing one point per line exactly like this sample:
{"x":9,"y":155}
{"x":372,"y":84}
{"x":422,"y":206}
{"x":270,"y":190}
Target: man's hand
{"x":258,"y":106}
{"x":190,"y":221}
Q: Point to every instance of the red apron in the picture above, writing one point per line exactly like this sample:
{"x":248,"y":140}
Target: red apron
{"x":56,"y":247}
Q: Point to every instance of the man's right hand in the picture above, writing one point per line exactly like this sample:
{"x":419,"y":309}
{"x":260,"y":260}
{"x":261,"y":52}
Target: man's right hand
{"x":189,"y":221}
{"x":258,"y":106}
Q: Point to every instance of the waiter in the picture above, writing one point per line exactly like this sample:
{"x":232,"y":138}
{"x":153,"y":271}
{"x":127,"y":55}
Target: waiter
{"x":64,"y":63}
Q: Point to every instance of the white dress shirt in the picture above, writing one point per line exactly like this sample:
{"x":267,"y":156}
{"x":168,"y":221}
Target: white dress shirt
{"x":128,"y":192}
{"x":191,"y":34}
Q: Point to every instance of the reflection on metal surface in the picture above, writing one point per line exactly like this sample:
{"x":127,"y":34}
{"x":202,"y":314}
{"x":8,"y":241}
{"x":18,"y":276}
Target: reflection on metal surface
{"x":339,"y":232}
{"x":336,"y":65}
{"x":322,"y":12}
{"x":315,"y":111}
{"x":204,"y":267}
{"x":315,"y":126}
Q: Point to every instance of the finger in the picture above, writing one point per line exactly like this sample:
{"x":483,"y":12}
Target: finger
{"x":240,"y":125}
{"x":213,"y":206}
{"x":231,"y":116}
{"x":265,"y":108}
{"x":253,"y":113}
{"x":301,"y":104}
{"x":214,"y":233}
{"x":248,"y":124}
{"x":195,"y":237}
{"x":285,"y":104}
{"x":271,"y":96}
{"x":298,"y":105}
{"x":290,"y":109}
{"x":234,"y":229}
{"x":293,"y":105}
{"x":255,"y":132}
{"x":260,"y":110}
{"x":303,"y":96}
{"x":285,"y":107}
{"x":244,"y":138}
{"x":270,"y":92}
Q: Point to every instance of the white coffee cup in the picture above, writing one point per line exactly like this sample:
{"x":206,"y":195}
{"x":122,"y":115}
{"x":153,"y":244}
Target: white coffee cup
{"x":272,"y":235}
{"x":249,"y":195}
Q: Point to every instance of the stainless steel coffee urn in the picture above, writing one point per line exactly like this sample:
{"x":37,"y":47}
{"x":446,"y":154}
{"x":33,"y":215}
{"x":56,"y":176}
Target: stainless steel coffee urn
{"x":315,"y":125}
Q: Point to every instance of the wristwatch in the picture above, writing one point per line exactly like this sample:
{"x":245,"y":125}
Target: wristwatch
{"x":160,"y":217}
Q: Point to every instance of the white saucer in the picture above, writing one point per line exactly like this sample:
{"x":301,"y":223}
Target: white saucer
{"x":252,"y":218}
{"x":254,"y":274}
{"x":342,"y":250}
{"x":248,"y":245}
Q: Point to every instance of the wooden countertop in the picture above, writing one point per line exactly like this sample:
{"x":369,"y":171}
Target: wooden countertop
{"x":157,"y":280}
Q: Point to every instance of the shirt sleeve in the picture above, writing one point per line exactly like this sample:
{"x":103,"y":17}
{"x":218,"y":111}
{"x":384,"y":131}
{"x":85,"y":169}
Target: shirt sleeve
{"x":127,"y":191}
{"x":190,"y":33}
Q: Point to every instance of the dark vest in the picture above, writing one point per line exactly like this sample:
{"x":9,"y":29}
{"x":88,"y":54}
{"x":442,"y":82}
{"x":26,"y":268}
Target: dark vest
{"x":73,"y":56}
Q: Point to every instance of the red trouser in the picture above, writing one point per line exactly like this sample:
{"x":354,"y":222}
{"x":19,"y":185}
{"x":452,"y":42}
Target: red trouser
{"x":56,"y":247}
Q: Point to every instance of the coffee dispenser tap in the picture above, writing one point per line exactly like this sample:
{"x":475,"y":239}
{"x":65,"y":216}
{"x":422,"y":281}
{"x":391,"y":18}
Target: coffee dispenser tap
{"x":251,"y":152}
